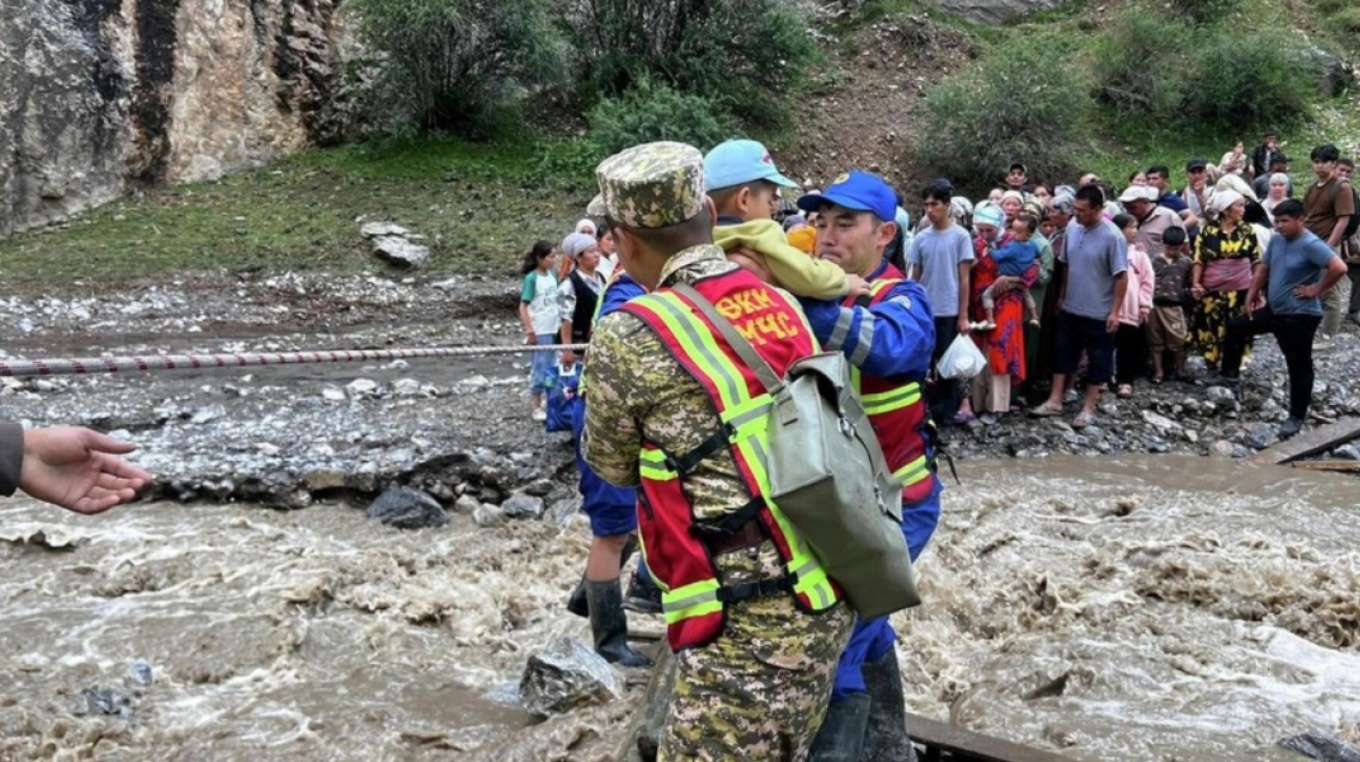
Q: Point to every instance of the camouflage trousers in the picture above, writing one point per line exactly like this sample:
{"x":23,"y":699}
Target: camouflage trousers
{"x":760,"y":691}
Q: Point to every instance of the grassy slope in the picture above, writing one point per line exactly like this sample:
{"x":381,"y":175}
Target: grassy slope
{"x":483,"y":205}
{"x":472,"y":201}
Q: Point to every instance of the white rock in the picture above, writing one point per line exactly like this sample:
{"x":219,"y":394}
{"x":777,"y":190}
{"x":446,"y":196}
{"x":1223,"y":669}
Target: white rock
{"x":377,"y":229}
{"x":400,"y":251}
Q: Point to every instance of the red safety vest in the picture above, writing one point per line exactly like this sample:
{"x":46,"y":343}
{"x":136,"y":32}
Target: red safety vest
{"x":694,"y":597}
{"x":897,"y":413}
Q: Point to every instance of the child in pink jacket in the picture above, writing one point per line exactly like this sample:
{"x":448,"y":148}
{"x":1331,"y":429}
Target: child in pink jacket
{"x":1130,"y":342}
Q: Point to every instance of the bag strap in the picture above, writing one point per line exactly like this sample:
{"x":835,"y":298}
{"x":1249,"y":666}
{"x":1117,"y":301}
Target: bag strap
{"x":739,"y":344}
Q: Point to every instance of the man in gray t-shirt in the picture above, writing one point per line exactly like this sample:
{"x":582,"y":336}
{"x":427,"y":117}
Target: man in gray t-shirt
{"x":1298,"y":268}
{"x":1096,"y":255}
{"x":941,"y":259}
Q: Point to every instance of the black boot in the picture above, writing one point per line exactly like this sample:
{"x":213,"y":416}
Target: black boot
{"x":576,"y":604}
{"x":841,"y":737}
{"x":609,"y":624}
{"x":885,"y":738}
{"x":643,"y":596}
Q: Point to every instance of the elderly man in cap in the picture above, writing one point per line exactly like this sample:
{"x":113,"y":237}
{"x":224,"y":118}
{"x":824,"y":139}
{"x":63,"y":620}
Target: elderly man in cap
{"x":754,"y":621}
{"x":1153,"y":219}
{"x":889,"y":337}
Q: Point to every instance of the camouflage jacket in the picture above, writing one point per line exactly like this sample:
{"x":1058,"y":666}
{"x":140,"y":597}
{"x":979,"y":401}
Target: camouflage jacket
{"x":639,"y":391}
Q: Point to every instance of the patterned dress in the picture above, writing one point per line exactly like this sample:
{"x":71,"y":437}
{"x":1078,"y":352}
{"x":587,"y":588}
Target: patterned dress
{"x":1004,"y":345}
{"x":1209,"y":317}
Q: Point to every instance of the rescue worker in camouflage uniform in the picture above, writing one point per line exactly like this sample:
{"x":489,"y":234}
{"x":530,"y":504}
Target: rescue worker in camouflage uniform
{"x":754,"y":621}
{"x":888,"y":338}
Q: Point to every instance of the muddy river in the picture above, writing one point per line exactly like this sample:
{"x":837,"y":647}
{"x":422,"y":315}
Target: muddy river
{"x":1160,"y":608}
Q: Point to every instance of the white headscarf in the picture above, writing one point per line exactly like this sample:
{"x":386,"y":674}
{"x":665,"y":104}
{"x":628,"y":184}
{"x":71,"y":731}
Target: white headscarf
{"x":587,"y":226}
{"x":1222,"y":199}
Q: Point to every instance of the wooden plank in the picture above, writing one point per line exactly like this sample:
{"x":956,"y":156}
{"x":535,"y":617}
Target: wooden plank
{"x":945,"y":741}
{"x":639,"y":743}
{"x":1344,"y":466}
{"x":1308,"y":443}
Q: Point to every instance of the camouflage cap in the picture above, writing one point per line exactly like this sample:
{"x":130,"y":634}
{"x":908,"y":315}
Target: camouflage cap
{"x":654,"y":185}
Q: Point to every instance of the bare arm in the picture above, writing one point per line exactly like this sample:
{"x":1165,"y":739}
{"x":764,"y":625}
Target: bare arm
{"x":965,"y":293}
{"x":1121,"y":288}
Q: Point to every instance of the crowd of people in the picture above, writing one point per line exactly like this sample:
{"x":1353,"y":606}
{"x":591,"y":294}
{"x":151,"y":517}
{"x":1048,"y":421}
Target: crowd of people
{"x":1068,"y":291}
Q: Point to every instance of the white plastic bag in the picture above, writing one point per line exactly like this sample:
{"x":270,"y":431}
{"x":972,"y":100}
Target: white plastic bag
{"x":962,"y":360}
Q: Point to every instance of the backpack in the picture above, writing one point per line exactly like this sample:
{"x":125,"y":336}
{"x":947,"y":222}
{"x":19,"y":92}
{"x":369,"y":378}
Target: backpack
{"x":561,"y":396}
{"x":828,"y":476}
{"x":1353,"y":224}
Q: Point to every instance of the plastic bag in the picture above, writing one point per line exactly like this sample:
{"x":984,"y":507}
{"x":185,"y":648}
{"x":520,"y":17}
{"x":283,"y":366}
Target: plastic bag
{"x":962,"y":360}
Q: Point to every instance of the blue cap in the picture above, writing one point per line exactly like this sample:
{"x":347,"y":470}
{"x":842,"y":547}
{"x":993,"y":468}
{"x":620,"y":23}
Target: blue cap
{"x":861,"y":191}
{"x":741,"y":161}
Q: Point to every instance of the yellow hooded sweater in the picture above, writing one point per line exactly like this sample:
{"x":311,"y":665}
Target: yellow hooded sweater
{"x":792,"y":269}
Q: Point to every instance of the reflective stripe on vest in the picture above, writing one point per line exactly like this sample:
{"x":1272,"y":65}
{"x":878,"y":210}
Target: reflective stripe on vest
{"x":894,"y":412}
{"x":747,"y":419}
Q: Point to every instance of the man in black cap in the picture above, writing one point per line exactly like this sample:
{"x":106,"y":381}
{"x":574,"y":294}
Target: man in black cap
{"x":1017,"y":178}
{"x":1197,"y":187}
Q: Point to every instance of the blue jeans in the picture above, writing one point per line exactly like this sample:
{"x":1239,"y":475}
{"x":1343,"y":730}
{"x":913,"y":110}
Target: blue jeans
{"x":541,"y":371}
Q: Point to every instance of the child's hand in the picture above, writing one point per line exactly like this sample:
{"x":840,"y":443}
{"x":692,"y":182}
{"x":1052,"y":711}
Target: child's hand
{"x":857,"y":286}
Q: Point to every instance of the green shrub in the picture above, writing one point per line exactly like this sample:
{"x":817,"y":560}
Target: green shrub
{"x":1346,"y":21}
{"x":740,"y":54}
{"x":1250,"y":80}
{"x":651,"y":112}
{"x":1013,"y":104}
{"x":456,"y":64}
{"x":1140,"y":67}
{"x":1206,"y":11}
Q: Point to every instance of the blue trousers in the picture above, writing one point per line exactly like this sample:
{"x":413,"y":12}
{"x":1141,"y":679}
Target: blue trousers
{"x":612,"y":510}
{"x":872,"y":638}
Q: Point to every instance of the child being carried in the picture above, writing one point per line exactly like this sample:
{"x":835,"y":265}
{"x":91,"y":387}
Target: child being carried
{"x":1014,"y":260}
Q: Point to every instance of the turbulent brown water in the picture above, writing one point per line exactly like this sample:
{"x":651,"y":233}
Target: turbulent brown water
{"x":1159,"y":608}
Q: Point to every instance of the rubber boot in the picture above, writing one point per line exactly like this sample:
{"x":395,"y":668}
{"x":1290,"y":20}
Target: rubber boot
{"x":609,"y":624}
{"x":576,"y":604}
{"x":885,"y":738}
{"x":841,"y":737}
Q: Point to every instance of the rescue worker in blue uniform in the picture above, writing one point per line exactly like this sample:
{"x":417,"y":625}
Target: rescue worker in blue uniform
{"x":888,"y":337}
{"x":613,"y":522}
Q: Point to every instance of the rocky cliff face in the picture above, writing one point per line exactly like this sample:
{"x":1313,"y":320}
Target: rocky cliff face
{"x":97,"y":94}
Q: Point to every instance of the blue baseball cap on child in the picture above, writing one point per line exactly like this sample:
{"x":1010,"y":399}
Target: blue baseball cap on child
{"x":861,"y":191}
{"x":741,"y":161}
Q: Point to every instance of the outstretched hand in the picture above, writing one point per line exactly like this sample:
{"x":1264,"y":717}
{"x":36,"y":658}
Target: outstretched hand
{"x":79,"y":469}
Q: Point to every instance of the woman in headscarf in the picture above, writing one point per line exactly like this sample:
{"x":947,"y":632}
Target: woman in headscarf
{"x":1003,"y":345}
{"x":578,"y":291}
{"x":1226,"y":254}
{"x":1279,"y":191}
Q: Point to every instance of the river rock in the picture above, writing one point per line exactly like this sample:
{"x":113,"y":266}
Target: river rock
{"x":562,"y":510}
{"x":1321,"y":746}
{"x":565,"y":675}
{"x":466,"y":505}
{"x":1221,"y":449}
{"x":521,"y":506}
{"x":380,"y":229}
{"x":1221,"y":395}
{"x":105,"y":701}
{"x":487,"y":515}
{"x":1161,"y":423}
{"x":1347,"y":452}
{"x":408,"y":509}
{"x":362,"y":387}
{"x":540,"y":487}
{"x":400,"y":252}
{"x":1260,"y":436}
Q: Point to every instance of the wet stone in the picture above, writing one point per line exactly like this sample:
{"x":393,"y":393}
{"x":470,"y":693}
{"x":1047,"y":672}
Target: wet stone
{"x":565,"y":675}
{"x":1321,"y":746}
{"x":1347,"y":452}
{"x":140,"y":672}
{"x":487,"y":515}
{"x":1260,"y":436}
{"x":520,"y":506}
{"x":408,"y":509}
{"x":1220,"y":395}
{"x":103,"y":701}
{"x":561,"y":511}
{"x":540,"y":488}
{"x":466,"y":504}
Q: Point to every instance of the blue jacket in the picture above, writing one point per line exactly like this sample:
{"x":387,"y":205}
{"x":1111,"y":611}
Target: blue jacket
{"x":893,"y":339}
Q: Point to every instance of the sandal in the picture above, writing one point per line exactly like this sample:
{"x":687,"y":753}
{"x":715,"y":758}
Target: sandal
{"x":964,"y":417}
{"x":1156,"y":380}
{"x":1043,"y":410}
{"x":1083,"y":420}
{"x":1124,"y":391}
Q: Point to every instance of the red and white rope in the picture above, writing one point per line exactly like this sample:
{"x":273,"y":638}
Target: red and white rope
{"x":149,"y":363}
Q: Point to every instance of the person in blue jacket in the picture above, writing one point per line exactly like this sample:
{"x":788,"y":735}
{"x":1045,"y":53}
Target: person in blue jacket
{"x":613,"y":522}
{"x":889,"y":337}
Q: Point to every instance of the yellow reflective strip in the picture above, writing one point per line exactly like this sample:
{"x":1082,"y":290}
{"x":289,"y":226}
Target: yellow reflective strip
{"x":713,"y":607}
{"x":893,"y":398}
{"x":700,"y":345}
{"x":695,"y":599}
{"x":913,"y":472}
{"x":652,"y":465}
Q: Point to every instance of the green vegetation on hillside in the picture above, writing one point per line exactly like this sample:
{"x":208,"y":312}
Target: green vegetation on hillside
{"x":479,"y":204}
